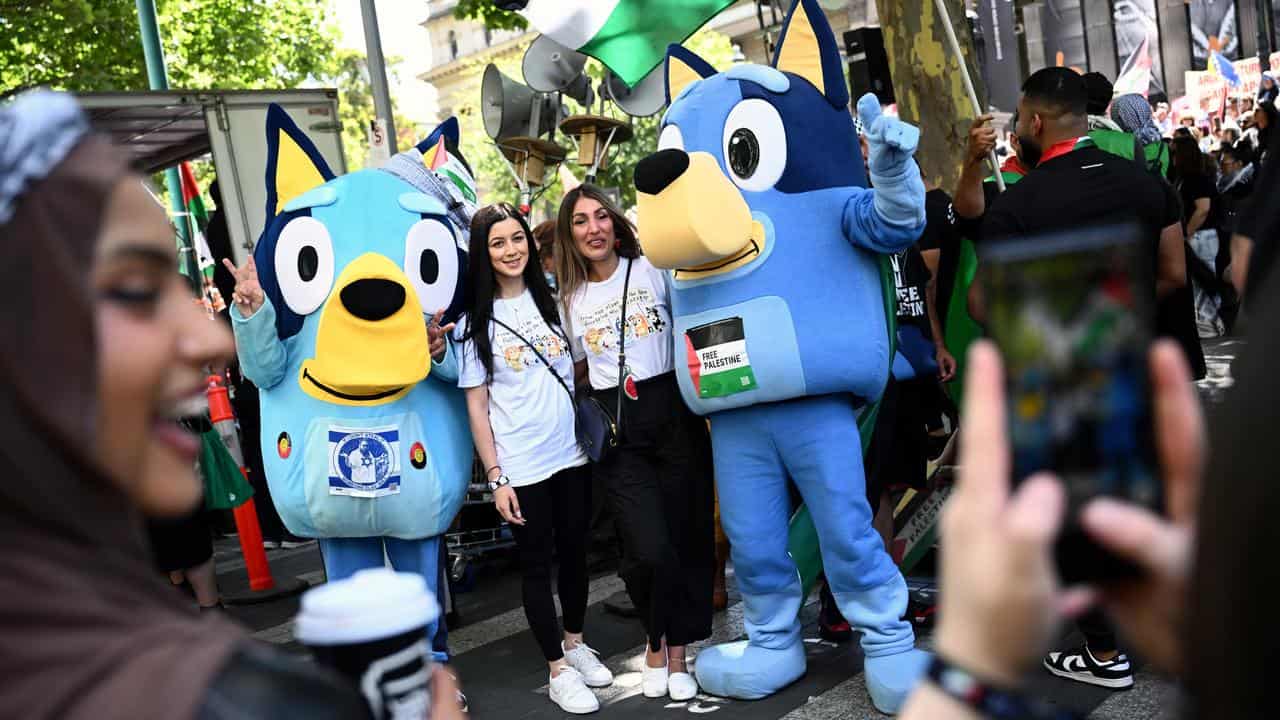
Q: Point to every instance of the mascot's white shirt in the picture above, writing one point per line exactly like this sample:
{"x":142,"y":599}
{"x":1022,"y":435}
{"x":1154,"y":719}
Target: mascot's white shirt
{"x":531,"y":415}
{"x":595,"y":312}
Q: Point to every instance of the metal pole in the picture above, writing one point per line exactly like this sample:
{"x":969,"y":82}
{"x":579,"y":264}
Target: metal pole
{"x":159,"y":80}
{"x":968,"y":82}
{"x":377,"y":71}
{"x":1265,"y":28}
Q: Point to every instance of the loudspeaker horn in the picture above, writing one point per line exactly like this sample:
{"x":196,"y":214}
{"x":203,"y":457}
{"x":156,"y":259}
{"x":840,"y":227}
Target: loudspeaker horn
{"x":551,"y":67}
{"x":645,"y":99}
{"x":507,"y":107}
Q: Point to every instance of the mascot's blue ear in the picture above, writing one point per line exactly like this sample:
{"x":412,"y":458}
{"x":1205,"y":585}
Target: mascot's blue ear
{"x":294,"y":165}
{"x":807,"y":48}
{"x":448,"y":129}
{"x":683,"y":68}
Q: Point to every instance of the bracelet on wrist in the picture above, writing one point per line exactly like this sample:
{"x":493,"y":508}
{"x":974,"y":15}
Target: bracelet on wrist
{"x":489,"y":470}
{"x":992,"y":701}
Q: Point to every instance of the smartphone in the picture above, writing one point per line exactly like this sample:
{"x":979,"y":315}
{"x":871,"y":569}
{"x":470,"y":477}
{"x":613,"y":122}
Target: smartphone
{"x":1072,"y":314}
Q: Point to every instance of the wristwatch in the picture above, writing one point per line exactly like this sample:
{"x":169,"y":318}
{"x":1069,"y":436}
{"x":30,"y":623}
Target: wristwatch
{"x":500,"y":481}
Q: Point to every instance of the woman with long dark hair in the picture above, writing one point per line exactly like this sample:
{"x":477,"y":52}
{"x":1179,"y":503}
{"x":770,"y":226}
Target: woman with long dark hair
{"x":518,"y":378}
{"x":659,"y":476}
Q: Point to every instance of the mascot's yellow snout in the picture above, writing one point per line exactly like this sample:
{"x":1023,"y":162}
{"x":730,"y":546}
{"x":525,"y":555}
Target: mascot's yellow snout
{"x":692,"y":218}
{"x":371,"y":344}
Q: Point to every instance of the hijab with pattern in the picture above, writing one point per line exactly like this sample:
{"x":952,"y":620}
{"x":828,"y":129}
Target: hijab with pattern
{"x":87,"y":628}
{"x":1133,"y":114}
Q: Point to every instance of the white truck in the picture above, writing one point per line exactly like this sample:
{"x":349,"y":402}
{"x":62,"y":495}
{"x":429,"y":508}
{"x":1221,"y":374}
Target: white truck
{"x":164,"y":127}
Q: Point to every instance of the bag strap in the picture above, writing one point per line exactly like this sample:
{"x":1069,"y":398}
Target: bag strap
{"x":622,"y":347}
{"x":531,"y":346}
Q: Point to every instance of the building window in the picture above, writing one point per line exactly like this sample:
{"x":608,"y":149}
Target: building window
{"x":453,"y":45}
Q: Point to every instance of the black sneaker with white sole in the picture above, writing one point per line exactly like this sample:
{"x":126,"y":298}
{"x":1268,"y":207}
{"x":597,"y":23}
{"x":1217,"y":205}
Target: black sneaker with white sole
{"x":1081,"y":666}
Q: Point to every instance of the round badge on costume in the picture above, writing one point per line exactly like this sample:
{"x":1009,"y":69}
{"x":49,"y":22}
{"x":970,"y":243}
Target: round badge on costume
{"x":418,"y":456}
{"x":284,"y":446}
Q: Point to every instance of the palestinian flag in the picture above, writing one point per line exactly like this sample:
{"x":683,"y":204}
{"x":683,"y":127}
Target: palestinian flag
{"x":197,"y":220}
{"x":629,"y":36}
{"x":438,"y":160}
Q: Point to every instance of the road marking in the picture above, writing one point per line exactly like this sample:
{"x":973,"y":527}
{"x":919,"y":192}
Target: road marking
{"x":277,"y":634}
{"x":471,"y":636}
{"x":1151,"y":697}
{"x":504,"y":625}
{"x":846,"y":700}
{"x":628,"y":666}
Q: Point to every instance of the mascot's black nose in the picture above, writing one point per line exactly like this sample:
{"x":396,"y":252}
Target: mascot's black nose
{"x":656,"y":172}
{"x":372,"y":298}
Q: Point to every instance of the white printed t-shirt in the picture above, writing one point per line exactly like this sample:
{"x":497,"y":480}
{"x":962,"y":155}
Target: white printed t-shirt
{"x":531,"y":415}
{"x":593,"y":323}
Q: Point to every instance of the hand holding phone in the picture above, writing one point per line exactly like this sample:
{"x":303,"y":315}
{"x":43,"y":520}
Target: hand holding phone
{"x":1072,"y":313}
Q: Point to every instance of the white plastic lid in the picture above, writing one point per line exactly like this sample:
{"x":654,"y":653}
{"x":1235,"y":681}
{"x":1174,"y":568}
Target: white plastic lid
{"x":370,"y":605}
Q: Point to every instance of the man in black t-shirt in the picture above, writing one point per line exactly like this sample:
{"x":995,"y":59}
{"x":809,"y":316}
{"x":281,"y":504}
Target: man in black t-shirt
{"x":940,"y":249}
{"x":1072,"y":183}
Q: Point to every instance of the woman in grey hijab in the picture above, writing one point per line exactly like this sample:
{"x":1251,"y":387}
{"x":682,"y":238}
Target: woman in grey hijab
{"x":1133,"y":114}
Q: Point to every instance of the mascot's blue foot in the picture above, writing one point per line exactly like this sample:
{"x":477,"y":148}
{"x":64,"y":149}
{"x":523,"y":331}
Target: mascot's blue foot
{"x":890,"y":678}
{"x":748,"y":672}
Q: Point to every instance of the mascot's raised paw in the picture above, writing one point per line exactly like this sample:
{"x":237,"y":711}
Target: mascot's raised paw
{"x":890,"y":142}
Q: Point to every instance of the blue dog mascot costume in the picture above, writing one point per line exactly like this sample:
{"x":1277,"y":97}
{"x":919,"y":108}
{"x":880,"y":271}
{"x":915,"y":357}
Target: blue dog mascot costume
{"x":757,"y":203}
{"x":365,"y":438}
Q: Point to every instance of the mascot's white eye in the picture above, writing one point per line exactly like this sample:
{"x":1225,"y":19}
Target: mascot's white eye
{"x":755,"y":145}
{"x":671,"y":138}
{"x":431,"y":262}
{"x":304,"y":264}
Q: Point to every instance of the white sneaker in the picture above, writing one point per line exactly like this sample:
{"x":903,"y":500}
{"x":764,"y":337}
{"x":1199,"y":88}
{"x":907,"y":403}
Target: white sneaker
{"x":571,"y":693}
{"x":654,"y":681}
{"x":587,"y":661}
{"x":681,"y":686}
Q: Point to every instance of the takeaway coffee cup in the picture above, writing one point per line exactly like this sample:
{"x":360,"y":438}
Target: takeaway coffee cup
{"x":371,"y":628}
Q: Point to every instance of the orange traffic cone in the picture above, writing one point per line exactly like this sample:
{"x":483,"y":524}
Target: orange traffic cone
{"x":262,"y":586}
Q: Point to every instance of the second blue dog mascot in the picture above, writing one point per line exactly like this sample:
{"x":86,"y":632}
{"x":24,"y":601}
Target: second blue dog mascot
{"x":364,"y":436}
{"x":757,"y":203}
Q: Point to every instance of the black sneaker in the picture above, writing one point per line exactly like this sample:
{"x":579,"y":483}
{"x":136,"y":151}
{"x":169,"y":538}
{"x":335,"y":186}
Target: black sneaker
{"x":1081,"y":666}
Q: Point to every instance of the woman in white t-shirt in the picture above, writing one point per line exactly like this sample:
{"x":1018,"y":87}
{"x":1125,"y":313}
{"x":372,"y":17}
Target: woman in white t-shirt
{"x":518,"y":377}
{"x":659,"y":477}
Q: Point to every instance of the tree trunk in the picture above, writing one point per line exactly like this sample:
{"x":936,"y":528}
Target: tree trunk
{"x":927,"y":83}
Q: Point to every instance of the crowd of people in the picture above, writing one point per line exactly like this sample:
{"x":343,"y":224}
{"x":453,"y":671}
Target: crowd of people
{"x":573,"y":309}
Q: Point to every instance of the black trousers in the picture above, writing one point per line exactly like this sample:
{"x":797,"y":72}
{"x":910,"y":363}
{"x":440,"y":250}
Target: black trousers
{"x":248,"y":412}
{"x":557,"y":514}
{"x":659,"y":482}
{"x":180,"y":543}
{"x":1098,"y":632}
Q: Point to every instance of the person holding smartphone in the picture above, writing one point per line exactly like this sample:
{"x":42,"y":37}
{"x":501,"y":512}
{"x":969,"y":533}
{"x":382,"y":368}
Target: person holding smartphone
{"x":1072,"y":183}
{"x":659,"y":477}
{"x":518,"y":375}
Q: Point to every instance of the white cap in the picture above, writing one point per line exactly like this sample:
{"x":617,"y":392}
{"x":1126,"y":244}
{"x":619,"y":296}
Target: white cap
{"x":370,"y":605}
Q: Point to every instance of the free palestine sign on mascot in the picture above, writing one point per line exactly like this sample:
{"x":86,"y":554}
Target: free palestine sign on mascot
{"x":757,"y":202}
